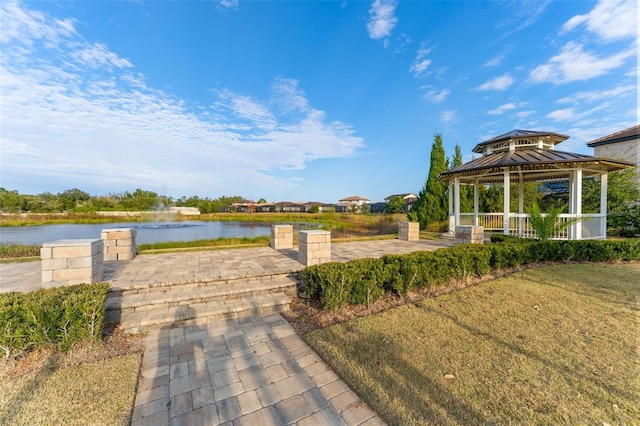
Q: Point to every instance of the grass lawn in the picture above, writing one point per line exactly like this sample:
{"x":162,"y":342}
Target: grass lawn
{"x":544,"y":346}
{"x":55,"y":389}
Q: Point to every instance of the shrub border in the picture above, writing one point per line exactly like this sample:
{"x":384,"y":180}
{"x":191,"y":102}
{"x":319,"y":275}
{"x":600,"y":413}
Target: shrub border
{"x":59,"y":317}
{"x":363,"y":281}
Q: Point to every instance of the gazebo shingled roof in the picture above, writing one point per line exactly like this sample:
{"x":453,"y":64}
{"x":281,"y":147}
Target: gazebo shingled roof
{"x":529,"y":161}
{"x":555,"y":138}
{"x":528,"y":158}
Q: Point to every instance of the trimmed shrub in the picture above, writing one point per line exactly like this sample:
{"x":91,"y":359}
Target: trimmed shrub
{"x":365,"y":280}
{"x":368,"y":285}
{"x":330,"y":283}
{"x":59,"y":317}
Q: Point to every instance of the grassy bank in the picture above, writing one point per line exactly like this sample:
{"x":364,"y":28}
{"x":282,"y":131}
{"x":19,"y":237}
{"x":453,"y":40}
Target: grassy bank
{"x":555,"y":345}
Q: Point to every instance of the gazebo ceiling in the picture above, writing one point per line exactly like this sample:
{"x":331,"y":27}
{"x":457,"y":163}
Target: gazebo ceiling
{"x":532,"y":163}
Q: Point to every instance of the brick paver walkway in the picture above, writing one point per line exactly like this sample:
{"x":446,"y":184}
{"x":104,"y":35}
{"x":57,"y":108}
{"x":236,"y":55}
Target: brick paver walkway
{"x":255,"y":371}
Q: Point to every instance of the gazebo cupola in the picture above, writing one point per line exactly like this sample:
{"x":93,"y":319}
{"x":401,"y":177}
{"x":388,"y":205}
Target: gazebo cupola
{"x":523,"y":156}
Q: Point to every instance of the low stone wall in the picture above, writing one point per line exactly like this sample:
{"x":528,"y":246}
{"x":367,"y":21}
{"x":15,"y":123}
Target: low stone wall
{"x":281,"y":237}
{"x":314,"y":247}
{"x":469,"y":235}
{"x":69,"y":262}
{"x":119,"y":243}
{"x":409,"y":231}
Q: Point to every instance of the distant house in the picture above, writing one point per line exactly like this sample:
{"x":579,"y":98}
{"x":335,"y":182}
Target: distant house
{"x":409,"y":199}
{"x":265,"y":208}
{"x":354,"y":202}
{"x":244,"y":206}
{"x":289,"y":207}
{"x":623,"y":145}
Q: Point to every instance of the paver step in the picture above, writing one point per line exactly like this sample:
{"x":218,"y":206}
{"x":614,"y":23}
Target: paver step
{"x":199,"y":313}
{"x":179,"y":294}
{"x":138,"y":309}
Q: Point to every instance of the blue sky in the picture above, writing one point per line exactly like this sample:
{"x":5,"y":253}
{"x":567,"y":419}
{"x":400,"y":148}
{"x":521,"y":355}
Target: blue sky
{"x":297,"y":100}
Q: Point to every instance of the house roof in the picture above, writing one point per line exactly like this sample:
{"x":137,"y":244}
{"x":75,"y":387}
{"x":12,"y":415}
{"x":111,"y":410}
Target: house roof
{"x":532,"y":162}
{"x":621,"y":136}
{"x":556,"y":138}
{"x":354,"y":198}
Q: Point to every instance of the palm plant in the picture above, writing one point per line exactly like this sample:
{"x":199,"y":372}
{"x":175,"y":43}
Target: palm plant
{"x":547,"y":225}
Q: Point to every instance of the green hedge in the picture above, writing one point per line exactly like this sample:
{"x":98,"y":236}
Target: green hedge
{"x":58,"y":317}
{"x":366,"y":280}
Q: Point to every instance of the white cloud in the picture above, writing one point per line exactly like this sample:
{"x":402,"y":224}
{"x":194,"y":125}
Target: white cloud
{"x":522,"y":14}
{"x":102,"y":125}
{"x":421,"y":63}
{"x":27,"y":27}
{"x":98,"y":55}
{"x":524,"y":114}
{"x":611,"y":20}
{"x":448,"y":116}
{"x":571,"y":114}
{"x":499,"y":83}
{"x":228,"y":4}
{"x":503,"y":108}
{"x":573,"y":63}
{"x":562,"y":114}
{"x":495,"y":61}
{"x":434,"y":95}
{"x":382,"y":18}
{"x":598,"y":95}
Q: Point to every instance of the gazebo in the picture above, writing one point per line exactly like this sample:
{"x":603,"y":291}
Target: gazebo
{"x":523,"y":156}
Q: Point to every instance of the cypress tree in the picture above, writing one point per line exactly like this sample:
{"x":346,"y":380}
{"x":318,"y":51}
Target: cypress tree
{"x":432,"y":203}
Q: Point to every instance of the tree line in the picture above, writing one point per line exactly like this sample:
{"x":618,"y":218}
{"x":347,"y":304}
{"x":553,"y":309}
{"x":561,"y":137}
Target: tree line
{"x":78,"y":201}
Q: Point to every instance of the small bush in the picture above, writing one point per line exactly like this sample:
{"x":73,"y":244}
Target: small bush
{"x":59,"y":317}
{"x":365,"y":280}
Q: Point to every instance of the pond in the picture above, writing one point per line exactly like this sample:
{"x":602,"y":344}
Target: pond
{"x":148,"y":232}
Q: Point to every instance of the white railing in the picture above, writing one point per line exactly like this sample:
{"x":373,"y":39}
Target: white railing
{"x":489,"y":221}
{"x":593,"y":225}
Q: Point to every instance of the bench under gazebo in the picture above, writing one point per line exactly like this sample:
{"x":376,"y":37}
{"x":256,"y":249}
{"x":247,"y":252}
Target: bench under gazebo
{"x":522,"y":156}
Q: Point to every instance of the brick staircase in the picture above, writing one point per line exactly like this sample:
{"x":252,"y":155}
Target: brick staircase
{"x":140,"y":309}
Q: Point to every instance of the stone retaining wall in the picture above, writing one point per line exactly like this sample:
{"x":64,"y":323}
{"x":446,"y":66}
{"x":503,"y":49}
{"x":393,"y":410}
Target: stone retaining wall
{"x":69,"y":262}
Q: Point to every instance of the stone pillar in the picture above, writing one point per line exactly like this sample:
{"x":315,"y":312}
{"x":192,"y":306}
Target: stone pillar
{"x":69,"y":262}
{"x":119,"y":243}
{"x":469,"y":235}
{"x":315,"y":247}
{"x":281,"y":237}
{"x":409,"y":231}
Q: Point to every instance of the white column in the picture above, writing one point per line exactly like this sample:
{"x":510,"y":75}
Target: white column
{"x":476,"y":202}
{"x":572,"y":192}
{"x":452,"y":225}
{"x":578,"y":202}
{"x":456,"y":200}
{"x":521,"y":206}
{"x":603,"y":204}
{"x":507,"y":196}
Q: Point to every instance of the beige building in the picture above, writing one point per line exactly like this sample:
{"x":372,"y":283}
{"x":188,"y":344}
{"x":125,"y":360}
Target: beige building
{"x":623,"y":145}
